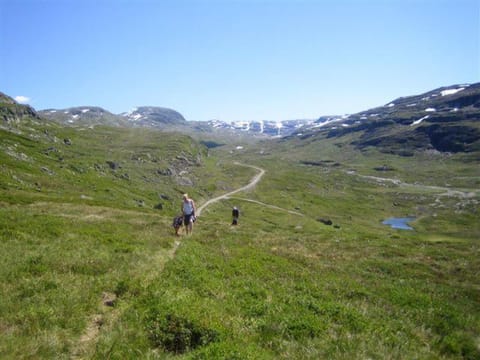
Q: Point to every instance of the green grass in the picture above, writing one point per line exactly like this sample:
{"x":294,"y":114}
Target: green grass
{"x":278,"y":285}
{"x":286,"y":286}
{"x":299,"y":289}
{"x":58,"y":259}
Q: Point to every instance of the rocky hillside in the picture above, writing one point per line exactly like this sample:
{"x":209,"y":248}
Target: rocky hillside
{"x":116,"y":166}
{"x":144,"y":116}
{"x":83,"y":115}
{"x":445,"y":119}
{"x":11,"y":112}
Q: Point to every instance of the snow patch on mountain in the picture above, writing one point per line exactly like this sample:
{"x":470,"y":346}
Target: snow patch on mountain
{"x":451,"y":91}
{"x":416,"y":122}
{"x":262,"y":127}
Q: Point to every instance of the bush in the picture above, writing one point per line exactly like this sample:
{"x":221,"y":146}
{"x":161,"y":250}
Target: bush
{"x":176,"y":334}
{"x":461,"y":345}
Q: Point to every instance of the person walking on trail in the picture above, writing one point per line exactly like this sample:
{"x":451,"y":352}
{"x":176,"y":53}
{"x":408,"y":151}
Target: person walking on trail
{"x":188,"y":211}
{"x":235,"y":215}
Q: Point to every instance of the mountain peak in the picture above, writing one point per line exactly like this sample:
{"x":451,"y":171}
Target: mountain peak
{"x":154,"y":116}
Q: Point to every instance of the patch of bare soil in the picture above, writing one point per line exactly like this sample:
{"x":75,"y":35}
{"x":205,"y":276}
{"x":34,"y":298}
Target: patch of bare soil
{"x":105,"y":316}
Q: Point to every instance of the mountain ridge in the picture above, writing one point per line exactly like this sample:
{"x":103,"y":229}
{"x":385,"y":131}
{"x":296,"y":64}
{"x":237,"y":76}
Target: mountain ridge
{"x":444,"y":119}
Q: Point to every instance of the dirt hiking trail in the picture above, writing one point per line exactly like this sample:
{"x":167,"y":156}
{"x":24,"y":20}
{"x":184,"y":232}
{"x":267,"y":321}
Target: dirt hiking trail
{"x":105,"y":317}
{"x":250,"y":185}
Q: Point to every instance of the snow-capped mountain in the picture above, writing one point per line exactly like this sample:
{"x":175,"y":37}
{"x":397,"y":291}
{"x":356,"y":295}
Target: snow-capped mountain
{"x":154,"y":116}
{"x":83,"y":115}
{"x":167,"y":119}
{"x":264,"y":127}
{"x":412,"y":110}
{"x":444,"y":119}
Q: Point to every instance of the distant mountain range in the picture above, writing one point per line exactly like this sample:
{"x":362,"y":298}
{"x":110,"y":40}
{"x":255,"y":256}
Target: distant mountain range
{"x":444,"y":119}
{"x":166,"y":119}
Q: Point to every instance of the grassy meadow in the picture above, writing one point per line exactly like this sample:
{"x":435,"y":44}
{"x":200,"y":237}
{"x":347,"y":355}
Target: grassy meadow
{"x":90,"y":268}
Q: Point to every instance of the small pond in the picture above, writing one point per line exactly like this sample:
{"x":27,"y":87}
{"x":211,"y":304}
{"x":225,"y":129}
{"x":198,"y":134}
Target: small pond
{"x":399,"y":223}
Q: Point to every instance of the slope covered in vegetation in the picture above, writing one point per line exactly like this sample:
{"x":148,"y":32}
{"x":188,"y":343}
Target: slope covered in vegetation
{"x":90,"y":267}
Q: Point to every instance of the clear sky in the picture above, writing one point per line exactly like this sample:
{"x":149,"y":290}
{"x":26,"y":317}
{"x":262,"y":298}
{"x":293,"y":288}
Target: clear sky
{"x":237,"y":59}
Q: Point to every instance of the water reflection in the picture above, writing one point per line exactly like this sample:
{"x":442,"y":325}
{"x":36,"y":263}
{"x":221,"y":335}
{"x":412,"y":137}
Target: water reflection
{"x":399,"y":223}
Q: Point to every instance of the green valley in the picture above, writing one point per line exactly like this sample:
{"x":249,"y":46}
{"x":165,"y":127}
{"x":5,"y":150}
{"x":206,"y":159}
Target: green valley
{"x":91,"y":269}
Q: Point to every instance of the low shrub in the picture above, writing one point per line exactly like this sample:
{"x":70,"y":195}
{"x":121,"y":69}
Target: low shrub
{"x":177,"y":334}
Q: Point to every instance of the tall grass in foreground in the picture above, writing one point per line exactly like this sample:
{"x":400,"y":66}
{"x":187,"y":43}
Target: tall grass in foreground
{"x":58,"y":261}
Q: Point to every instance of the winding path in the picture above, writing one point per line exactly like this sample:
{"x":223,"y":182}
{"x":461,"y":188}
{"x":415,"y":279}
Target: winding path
{"x":250,"y":185}
{"x":90,"y":336}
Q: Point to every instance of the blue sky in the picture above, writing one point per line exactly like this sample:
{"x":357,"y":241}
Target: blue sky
{"x":237,"y":59}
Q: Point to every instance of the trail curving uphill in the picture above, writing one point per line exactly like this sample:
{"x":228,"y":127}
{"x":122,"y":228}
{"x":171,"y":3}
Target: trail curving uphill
{"x":90,"y":336}
{"x":250,"y":185}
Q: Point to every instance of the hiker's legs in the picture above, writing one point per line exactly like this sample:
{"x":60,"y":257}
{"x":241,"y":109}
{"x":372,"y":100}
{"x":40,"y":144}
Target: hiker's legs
{"x":188,"y":221}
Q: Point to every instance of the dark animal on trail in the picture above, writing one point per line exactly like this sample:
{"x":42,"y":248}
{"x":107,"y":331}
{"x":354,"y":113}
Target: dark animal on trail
{"x":177,"y":224}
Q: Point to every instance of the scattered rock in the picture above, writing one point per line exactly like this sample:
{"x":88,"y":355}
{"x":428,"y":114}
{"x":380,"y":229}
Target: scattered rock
{"x":164,"y":197}
{"x":50,"y":150}
{"x":320,"y":163}
{"x":159,"y":206}
{"x":19,"y":156}
{"x":184,"y":181}
{"x":165,"y":172}
{"x":98,"y":167}
{"x":109,"y":299}
{"x":113,"y":165}
{"x":182,"y":158}
{"x":47,"y":170}
{"x":384,"y":168}
{"x":67,"y":141}
{"x":325,"y":221}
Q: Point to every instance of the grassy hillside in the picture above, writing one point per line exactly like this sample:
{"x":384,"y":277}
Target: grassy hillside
{"x":83,"y":210}
{"x":90,"y":269}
